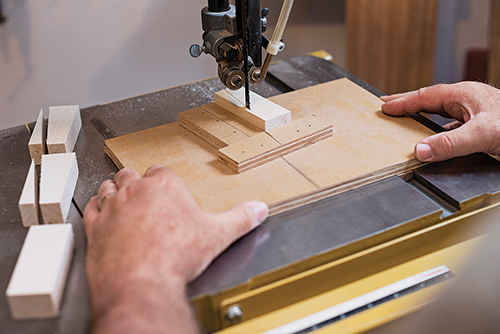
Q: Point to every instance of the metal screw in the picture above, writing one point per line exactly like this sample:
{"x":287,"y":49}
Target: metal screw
{"x":195,"y":50}
{"x":234,"y":314}
{"x":281,"y":46}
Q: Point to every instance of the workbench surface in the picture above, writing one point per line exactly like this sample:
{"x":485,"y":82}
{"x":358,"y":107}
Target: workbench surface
{"x":299,"y":233}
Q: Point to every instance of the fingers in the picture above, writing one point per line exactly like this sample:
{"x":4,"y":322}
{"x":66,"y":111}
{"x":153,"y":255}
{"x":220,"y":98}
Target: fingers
{"x":155,"y":170}
{"x":394,"y":96}
{"x":435,"y":99}
{"x":453,"y":125}
{"x":461,"y":100}
{"x":126,"y":176}
{"x":107,"y":187}
{"x":240,"y":219}
{"x":91,"y":210}
{"x":90,"y":215}
{"x":467,"y":139}
{"x":411,"y":102}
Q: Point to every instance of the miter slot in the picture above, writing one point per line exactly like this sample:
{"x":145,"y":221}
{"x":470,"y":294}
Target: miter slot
{"x":448,"y":208}
{"x":465,"y":183}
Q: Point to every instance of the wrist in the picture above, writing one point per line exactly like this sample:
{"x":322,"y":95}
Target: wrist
{"x":140,"y":301}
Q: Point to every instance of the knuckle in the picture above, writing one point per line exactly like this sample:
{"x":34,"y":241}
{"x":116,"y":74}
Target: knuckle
{"x":421,"y":91}
{"x":246,"y":217}
{"x":446,"y":145}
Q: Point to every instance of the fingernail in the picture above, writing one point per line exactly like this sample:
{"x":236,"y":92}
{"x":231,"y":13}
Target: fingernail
{"x":261,"y":211}
{"x":383,"y":98}
{"x":424,"y":152}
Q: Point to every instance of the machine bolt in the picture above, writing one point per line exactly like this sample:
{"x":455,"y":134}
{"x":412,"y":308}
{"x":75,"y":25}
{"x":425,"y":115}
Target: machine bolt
{"x":281,"y":46}
{"x":254,"y":75}
{"x":195,"y":50}
{"x":263,"y":15}
{"x":236,"y":80}
{"x":234,"y":314}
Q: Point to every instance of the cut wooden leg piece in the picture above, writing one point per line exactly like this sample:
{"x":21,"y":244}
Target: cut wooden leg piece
{"x":37,"y":284}
{"x":57,"y":185}
{"x":267,"y":146}
{"x":28,"y":202}
{"x":265,"y":115}
{"x":37,"y":141}
{"x":64,"y":126}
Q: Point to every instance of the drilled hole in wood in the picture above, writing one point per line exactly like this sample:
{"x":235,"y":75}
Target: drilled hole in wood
{"x":309,"y":125}
{"x":297,"y":130}
{"x":234,"y":131}
{"x":217,"y":120}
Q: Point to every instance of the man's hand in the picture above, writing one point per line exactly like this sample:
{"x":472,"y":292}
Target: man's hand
{"x":147,"y":238}
{"x":475,"y":104}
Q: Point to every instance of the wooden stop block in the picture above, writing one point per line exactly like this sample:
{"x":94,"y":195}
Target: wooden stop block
{"x":37,"y":284}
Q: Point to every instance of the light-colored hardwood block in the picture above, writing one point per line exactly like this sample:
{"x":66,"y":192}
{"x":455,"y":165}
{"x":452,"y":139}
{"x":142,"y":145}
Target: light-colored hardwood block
{"x":37,"y":144}
{"x":235,"y":121}
{"x":57,"y":185}
{"x":264,"y":114}
{"x":28,"y":202}
{"x":64,"y":126}
{"x":37,"y":284}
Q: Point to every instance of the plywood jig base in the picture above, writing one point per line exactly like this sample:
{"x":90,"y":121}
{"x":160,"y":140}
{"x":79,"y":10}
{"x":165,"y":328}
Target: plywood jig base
{"x":366,"y":145}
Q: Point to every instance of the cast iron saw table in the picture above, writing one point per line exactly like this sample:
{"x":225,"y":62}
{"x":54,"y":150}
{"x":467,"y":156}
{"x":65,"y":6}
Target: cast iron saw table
{"x":437,"y":190}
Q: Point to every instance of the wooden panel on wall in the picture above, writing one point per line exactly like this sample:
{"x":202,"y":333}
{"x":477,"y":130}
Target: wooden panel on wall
{"x":391,"y":43}
{"x":494,"y":56}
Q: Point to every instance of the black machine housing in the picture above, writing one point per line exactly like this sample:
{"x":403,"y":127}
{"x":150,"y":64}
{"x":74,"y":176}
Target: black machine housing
{"x":233,"y":36}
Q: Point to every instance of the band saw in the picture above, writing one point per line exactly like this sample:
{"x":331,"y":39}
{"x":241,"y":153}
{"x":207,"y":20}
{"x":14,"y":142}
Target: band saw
{"x":351,"y":262}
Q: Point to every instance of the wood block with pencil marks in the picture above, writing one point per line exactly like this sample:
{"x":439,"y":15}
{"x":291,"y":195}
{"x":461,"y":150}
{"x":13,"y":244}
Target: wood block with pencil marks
{"x":264,"y":114}
{"x":271,"y":145}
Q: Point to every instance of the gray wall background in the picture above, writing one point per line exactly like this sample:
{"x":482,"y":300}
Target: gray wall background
{"x":87,"y":52}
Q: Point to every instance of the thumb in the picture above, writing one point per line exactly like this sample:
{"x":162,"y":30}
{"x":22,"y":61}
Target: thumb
{"x":228,"y":226}
{"x":464,"y":140}
{"x":241,"y":219}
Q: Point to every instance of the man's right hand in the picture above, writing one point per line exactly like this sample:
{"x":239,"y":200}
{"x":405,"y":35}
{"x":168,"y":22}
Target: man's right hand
{"x":475,"y":104}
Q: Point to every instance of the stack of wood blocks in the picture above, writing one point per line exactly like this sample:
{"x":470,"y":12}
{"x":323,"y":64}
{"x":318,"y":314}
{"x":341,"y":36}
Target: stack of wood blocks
{"x":59,"y":170}
{"x":241,"y":146}
{"x":47,"y":250}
